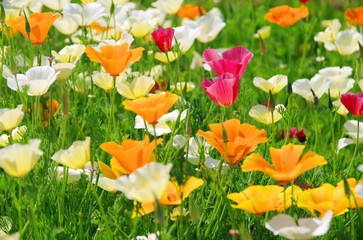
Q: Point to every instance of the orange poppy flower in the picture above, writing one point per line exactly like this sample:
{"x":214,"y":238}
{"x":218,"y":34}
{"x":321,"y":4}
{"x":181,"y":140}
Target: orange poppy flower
{"x":327,"y":197}
{"x":257,"y":199}
{"x":174,"y":195}
{"x":354,"y":15}
{"x":153,"y":107}
{"x":242,"y":139}
{"x":114,"y":58}
{"x":286,"y":16}
{"x":39,"y":25}
{"x":191,"y":11}
{"x":127,"y":157}
{"x":286,"y":163}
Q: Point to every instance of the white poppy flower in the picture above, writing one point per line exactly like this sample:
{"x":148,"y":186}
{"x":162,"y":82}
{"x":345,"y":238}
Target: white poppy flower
{"x":330,"y":33}
{"x":285,"y":226}
{"x":55,"y":4}
{"x":197,"y":61}
{"x":76,"y":156}
{"x":11,"y":118}
{"x":74,"y":175}
{"x":145,"y":184}
{"x":64,"y":70}
{"x":346,"y":42}
{"x":36,"y":79}
{"x":138,"y":88}
{"x":210,"y":26}
{"x":105,"y":183}
{"x":162,"y":126}
{"x":69,"y":54}
{"x":125,"y":38}
{"x":141,"y":23}
{"x":86,"y":14}
{"x":262,"y":114}
{"x":105,"y":81}
{"x":274,"y":84}
{"x":17,"y":134}
{"x":15,"y":4}
{"x":319,"y":84}
{"x":18,"y":159}
{"x":65,"y":25}
{"x":185,"y":36}
{"x":108,"y":3}
{"x":168,"y":6}
{"x":351,"y":127}
{"x":338,"y":78}
{"x":163,"y":58}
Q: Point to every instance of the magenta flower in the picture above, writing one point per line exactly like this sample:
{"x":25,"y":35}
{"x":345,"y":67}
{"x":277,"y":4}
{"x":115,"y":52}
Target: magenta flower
{"x":163,"y":37}
{"x":223,"y":90}
{"x":353,"y":102}
{"x":292,"y":131}
{"x":233,"y":61}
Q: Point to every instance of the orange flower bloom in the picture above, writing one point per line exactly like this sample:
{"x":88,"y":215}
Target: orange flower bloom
{"x":127,"y":157}
{"x":114,"y":58}
{"x":286,"y":16}
{"x":153,"y":107}
{"x":39,"y":25}
{"x":258,"y":199}
{"x":191,"y":11}
{"x":286,"y":163}
{"x":354,"y":15}
{"x":174,"y":195}
{"x":328,"y":197}
{"x":243,"y":139}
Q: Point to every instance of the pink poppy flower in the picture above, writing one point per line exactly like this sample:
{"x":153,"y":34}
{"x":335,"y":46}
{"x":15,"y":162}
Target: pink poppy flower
{"x":232,"y":61}
{"x":353,"y":102}
{"x":223,"y":90}
{"x":163,"y":37}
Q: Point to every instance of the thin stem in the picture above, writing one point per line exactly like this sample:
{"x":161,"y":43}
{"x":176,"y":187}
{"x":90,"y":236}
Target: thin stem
{"x":156,"y":143}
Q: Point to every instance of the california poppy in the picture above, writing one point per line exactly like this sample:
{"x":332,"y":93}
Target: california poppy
{"x":174,"y":195}
{"x":286,"y":16}
{"x":39,"y":25}
{"x":191,"y":11}
{"x":354,"y":15}
{"x":242,"y":139}
{"x":127,"y":157}
{"x":163,"y":38}
{"x":114,"y":58}
{"x":287,"y":164}
{"x":353,"y":102}
{"x":153,"y":107}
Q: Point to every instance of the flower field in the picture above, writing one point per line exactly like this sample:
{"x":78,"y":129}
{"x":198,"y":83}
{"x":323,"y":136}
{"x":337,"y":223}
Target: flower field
{"x":181,"y":119}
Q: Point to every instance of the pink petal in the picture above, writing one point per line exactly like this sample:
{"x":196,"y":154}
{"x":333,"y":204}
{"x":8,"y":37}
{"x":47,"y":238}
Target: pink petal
{"x":222,"y":90}
{"x":210,"y":55}
{"x":353,"y":102}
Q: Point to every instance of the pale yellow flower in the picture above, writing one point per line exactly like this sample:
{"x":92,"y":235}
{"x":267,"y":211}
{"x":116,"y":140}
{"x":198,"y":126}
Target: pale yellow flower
{"x":138,"y":88}
{"x":76,"y":156}
{"x":11,"y":118}
{"x":17,"y":159}
{"x":105,"y":80}
{"x":262,"y":114}
{"x":162,"y":56}
{"x":140,"y":29}
{"x":342,"y":110}
{"x":69,"y":54}
{"x":274,"y":84}
{"x":64,"y":69}
{"x":263,"y":32}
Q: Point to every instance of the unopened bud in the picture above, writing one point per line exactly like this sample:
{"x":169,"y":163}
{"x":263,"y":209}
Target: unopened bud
{"x":262,"y":45}
{"x":315,"y":98}
{"x":112,"y":8}
{"x":188,"y":128}
{"x":194,"y":210}
{"x":347,"y":190}
{"x":289,"y":89}
{"x":65,"y":101}
{"x":330,"y":102}
{"x":13,"y":66}
{"x":271,"y":102}
{"x":360,"y":50}
{"x":224,"y":135}
{"x":27,"y":25}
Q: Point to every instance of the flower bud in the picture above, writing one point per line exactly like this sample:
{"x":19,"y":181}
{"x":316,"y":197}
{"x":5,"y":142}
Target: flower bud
{"x":360,"y":50}
{"x":330,"y":103}
{"x":194,"y":210}
{"x":262,"y":45}
{"x":188,"y":128}
{"x":289,"y":89}
{"x":27,"y":25}
{"x":224,"y":135}
{"x":271,"y":102}
{"x":315,"y":98}
{"x":347,"y":190}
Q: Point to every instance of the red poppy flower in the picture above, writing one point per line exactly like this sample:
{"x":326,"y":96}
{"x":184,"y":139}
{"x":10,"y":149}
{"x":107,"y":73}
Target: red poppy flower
{"x":163,"y":37}
{"x":353,"y":102}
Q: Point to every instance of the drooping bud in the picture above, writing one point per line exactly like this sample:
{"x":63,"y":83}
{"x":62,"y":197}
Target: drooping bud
{"x":347,"y":190}
{"x":289,"y":89}
{"x":360,"y":50}
{"x":65,"y":101}
{"x":330,"y":102}
{"x":262,"y":45}
{"x":194,"y":210}
{"x":224,"y":135}
{"x":315,"y":98}
{"x":188,"y":128}
{"x":112,"y":8}
{"x":271,"y":102}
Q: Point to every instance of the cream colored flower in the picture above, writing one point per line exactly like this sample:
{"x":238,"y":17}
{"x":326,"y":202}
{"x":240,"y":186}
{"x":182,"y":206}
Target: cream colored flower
{"x":274,"y":84}
{"x":76,"y":156}
{"x":351,"y":127}
{"x":74,"y":175}
{"x":185,"y":36}
{"x":168,"y":6}
{"x":138,"y":88}
{"x":17,"y":134}
{"x":66,"y":25}
{"x":346,"y":42}
{"x":342,"y":110}
{"x":163,"y":58}
{"x":69,"y":54}
{"x":55,"y":4}
{"x":140,"y":29}
{"x":262,"y":114}
{"x":360,"y":83}
{"x":105,"y":183}
{"x":105,"y":80}
{"x":197,"y":61}
{"x":330,"y":33}
{"x":64,"y":70}
{"x":338,"y":78}
{"x":11,"y":118}
{"x":17,"y":159}
{"x":36,"y":79}
{"x":146,"y":184}
{"x":319,"y":84}
{"x":263,"y":32}
{"x":86,"y":14}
